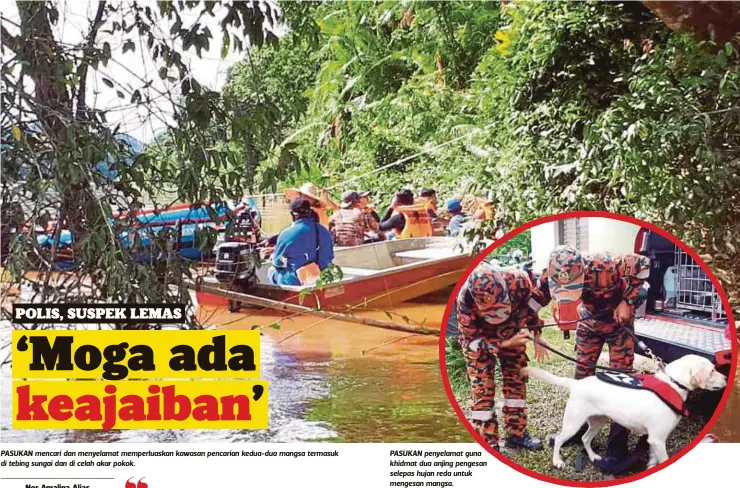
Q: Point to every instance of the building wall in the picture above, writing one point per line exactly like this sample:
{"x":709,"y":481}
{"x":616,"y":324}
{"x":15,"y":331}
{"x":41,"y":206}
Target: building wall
{"x":608,"y":235}
{"x":543,"y":241}
{"x":604,"y":235}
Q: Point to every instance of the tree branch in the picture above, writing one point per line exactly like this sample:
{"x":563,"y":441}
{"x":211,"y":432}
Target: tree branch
{"x":8,"y":39}
{"x":85,"y":63}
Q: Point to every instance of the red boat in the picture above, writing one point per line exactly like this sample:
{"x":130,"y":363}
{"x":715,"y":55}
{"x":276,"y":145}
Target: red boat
{"x":376,"y":275}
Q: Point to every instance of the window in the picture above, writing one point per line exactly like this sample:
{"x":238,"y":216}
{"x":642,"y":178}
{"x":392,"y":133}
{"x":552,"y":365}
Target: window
{"x":573,"y":232}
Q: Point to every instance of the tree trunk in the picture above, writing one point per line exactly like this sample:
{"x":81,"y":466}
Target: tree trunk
{"x":704,"y":19}
{"x":53,"y":106}
{"x":44,"y":57}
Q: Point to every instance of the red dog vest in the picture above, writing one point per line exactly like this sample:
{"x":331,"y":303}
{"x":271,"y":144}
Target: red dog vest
{"x":663,"y":390}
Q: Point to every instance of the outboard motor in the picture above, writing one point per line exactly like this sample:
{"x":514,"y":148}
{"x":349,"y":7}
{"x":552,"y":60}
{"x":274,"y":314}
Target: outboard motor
{"x":237,"y":258}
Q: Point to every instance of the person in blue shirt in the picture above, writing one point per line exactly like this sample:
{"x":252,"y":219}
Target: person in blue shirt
{"x":299,"y":245}
{"x":458,"y":217}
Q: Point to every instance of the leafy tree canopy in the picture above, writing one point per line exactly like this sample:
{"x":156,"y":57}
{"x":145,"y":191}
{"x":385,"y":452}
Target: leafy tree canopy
{"x":557,"y":106}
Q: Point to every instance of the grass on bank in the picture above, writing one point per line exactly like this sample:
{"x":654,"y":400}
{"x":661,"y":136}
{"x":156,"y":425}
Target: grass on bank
{"x":545,"y":407}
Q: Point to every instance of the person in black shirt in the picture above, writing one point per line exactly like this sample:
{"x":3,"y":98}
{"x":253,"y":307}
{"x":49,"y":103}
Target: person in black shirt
{"x":394,"y":221}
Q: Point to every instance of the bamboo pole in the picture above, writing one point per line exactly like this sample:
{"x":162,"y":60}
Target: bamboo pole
{"x":289,"y":307}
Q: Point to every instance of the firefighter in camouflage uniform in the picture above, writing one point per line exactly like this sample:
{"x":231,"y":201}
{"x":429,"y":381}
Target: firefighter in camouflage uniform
{"x":608,"y":288}
{"x":494,"y":310}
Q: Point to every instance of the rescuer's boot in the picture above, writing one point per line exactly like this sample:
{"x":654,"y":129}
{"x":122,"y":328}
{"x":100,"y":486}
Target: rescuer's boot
{"x":524,"y":441}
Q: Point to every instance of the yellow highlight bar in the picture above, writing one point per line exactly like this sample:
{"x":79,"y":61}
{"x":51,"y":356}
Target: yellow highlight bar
{"x":140,"y":404}
{"x":115,"y":355}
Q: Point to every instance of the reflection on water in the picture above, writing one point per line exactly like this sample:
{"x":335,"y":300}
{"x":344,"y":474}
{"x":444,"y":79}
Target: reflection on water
{"x":321,"y":385}
{"x":292,"y":384}
{"x":384,"y":401}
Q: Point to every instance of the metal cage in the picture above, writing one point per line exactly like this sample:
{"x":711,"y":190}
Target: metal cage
{"x":694,"y":289}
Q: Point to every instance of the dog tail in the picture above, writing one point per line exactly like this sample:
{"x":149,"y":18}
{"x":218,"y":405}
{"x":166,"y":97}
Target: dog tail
{"x":548,"y":377}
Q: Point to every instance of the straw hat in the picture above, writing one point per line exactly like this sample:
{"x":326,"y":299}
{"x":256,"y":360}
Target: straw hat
{"x":307,"y":190}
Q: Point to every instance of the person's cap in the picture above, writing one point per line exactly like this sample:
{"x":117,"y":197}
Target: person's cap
{"x":349,"y":197}
{"x":363,"y":194}
{"x":566,"y":271}
{"x":300,"y":206}
{"x":488,"y":289}
{"x":454,"y":205}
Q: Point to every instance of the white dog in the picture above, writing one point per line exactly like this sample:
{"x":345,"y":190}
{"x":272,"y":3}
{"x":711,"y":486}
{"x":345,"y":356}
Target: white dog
{"x":640,"y":411}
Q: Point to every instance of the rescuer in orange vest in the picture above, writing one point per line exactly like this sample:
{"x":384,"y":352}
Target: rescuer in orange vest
{"x":439,"y":223}
{"x":407,"y":219}
{"x":485,"y":209}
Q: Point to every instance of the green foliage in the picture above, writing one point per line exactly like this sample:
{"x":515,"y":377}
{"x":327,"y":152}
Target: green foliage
{"x":54,"y":142}
{"x":559,"y":106}
{"x":330,"y":274}
{"x":265,"y":96}
{"x":456,"y":368}
{"x":520,"y":242}
{"x":382,"y":89}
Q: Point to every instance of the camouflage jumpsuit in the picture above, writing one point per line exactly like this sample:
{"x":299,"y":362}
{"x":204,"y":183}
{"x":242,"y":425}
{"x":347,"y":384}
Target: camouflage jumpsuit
{"x":608,"y":279}
{"x":477,"y":302}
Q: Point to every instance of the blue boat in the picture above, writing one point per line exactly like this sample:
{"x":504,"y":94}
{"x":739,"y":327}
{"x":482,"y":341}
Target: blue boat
{"x":182,"y":221}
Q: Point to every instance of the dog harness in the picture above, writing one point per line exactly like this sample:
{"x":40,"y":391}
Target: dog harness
{"x":663,"y":390}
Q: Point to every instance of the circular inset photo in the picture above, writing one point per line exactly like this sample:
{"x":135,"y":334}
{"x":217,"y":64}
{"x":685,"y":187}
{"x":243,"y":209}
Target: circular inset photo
{"x":588,"y":349}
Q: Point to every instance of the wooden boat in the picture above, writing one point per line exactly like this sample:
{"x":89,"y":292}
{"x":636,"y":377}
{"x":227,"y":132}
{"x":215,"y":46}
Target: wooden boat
{"x":376,"y":275}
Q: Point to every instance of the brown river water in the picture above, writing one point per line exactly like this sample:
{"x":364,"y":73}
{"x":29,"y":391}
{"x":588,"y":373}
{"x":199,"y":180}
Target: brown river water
{"x":321,"y":385}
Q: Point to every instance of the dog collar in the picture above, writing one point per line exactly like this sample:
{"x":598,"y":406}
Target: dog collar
{"x":678,"y":384}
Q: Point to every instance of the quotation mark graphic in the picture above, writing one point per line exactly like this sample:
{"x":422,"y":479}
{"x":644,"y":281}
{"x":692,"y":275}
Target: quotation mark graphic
{"x":258,"y":390}
{"x":139,"y":484}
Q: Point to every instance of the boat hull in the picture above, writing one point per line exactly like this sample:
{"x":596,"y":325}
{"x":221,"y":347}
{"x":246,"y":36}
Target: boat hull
{"x":383,"y":289}
{"x":189,"y":217}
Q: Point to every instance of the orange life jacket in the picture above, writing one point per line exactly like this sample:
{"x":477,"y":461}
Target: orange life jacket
{"x":418,"y":223}
{"x":323,"y":215}
{"x":429,"y":204}
{"x":488,"y":211}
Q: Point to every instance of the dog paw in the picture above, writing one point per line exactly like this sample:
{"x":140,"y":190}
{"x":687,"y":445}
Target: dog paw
{"x":559,"y":464}
{"x":596,"y":458}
